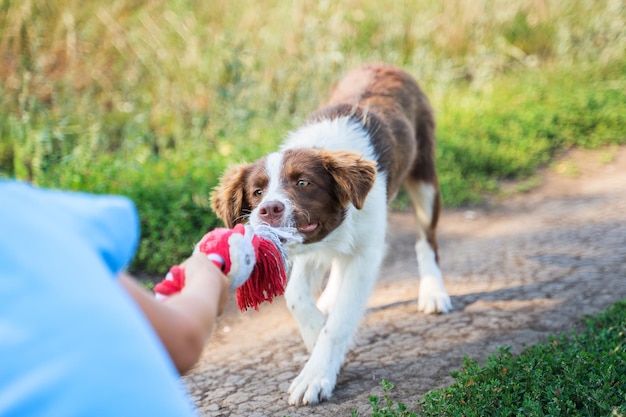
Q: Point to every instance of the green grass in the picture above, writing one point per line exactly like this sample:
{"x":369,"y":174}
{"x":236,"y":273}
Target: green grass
{"x":571,"y":375}
{"x":520,"y":123}
{"x":153,"y":100}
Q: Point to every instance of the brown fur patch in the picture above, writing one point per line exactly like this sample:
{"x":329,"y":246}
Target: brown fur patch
{"x":230,"y":200}
{"x":398,"y":117}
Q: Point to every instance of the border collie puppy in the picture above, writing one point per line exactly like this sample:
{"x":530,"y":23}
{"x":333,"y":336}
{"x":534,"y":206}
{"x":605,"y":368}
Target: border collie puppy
{"x":332,"y":180}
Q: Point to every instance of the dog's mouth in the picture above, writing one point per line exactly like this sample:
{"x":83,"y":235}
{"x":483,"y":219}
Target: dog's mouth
{"x":308,"y":228}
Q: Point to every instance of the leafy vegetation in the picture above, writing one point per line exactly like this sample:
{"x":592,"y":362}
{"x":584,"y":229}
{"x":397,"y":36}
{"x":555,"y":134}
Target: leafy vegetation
{"x":571,"y":375}
{"x":385,"y":406}
{"x":153,"y":100}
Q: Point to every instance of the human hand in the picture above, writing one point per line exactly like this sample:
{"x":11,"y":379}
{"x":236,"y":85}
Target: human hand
{"x":235,"y":249}
{"x":206,"y":280}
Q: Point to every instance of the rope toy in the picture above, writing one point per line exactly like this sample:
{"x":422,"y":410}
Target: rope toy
{"x":254,"y":260}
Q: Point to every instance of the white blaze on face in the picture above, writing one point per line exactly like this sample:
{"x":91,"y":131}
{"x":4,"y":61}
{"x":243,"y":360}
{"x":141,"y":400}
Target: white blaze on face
{"x":273,"y":166}
{"x":274,"y":190}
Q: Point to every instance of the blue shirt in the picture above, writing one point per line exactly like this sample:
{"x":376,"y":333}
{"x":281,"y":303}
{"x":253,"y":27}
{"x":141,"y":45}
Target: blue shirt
{"x":72,"y":342}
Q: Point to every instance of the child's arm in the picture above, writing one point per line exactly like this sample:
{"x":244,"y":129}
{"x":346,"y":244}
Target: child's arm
{"x":185,"y":320}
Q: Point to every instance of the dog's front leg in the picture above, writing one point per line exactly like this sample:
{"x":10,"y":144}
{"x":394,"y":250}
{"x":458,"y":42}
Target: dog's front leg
{"x":317,"y":379}
{"x":304,"y":282}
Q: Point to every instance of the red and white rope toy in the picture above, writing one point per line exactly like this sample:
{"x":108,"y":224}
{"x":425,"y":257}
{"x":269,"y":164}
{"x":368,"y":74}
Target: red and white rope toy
{"x":254,"y":260}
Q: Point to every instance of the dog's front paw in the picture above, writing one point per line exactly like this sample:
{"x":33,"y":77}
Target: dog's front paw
{"x":433,"y":298}
{"x":431,"y":304}
{"x":312,"y":386}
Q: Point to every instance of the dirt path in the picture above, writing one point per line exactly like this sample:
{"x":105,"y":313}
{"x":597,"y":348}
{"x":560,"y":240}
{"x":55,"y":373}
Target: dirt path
{"x":517,"y":270}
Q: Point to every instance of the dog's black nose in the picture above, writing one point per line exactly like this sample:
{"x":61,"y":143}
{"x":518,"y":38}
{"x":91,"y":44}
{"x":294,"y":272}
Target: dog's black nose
{"x":272,"y":212}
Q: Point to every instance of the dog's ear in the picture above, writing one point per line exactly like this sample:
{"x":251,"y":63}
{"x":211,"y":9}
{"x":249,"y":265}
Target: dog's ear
{"x":228,"y":199}
{"x":353,"y":175}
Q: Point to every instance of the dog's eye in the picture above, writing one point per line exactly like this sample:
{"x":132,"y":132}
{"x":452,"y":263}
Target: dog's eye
{"x":302,"y":183}
{"x":258,"y":192}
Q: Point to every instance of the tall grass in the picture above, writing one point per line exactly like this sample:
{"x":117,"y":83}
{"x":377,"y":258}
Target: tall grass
{"x":127,"y":96}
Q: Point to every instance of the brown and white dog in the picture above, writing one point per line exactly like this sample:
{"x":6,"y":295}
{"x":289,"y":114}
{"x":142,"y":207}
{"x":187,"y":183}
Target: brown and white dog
{"x":332,"y":180}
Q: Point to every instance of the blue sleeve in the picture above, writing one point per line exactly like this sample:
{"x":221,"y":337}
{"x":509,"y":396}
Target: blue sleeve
{"x":78,"y":345}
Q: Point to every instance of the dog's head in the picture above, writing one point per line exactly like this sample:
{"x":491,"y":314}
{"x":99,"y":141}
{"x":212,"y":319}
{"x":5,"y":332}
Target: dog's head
{"x":309,"y":189}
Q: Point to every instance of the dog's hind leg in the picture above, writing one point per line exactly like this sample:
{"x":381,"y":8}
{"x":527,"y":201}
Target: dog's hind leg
{"x":423,"y":189}
{"x":432,"y":296}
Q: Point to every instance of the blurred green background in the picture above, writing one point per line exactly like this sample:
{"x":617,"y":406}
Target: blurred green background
{"x":154,"y":99}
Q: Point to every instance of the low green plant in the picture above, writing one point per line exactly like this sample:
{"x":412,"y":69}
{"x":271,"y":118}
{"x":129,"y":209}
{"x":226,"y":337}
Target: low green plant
{"x":385,"y":406}
{"x":571,"y":375}
{"x":574,"y":374}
